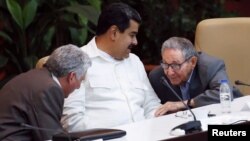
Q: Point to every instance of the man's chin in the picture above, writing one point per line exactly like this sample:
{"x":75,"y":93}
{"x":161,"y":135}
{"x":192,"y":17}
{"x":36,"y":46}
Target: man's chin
{"x":175,"y":83}
{"x":122,"y":58}
{"x":118,"y":59}
{"x":126,"y":56}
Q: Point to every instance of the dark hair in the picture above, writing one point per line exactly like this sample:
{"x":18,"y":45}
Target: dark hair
{"x":66,"y":59}
{"x":182,"y":44}
{"x":118,"y":14}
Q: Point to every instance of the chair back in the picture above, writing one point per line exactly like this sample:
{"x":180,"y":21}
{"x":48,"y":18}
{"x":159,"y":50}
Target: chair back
{"x":228,"y":39}
{"x":41,"y":62}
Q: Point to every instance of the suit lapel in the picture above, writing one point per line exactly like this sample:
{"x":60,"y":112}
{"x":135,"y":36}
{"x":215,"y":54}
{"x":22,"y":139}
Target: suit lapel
{"x":176,"y":89}
{"x":195,"y":87}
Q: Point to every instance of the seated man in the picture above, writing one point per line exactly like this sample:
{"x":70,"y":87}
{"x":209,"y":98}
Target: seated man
{"x":35,"y":98}
{"x":116,"y":90}
{"x":195,"y":76}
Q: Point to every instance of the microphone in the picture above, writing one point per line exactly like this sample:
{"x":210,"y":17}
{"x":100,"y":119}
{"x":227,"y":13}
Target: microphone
{"x":27,"y":126}
{"x":238,"y":82}
{"x":188,"y":127}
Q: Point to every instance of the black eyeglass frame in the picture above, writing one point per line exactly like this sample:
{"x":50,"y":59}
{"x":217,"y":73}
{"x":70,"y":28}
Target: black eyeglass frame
{"x":174,"y":66}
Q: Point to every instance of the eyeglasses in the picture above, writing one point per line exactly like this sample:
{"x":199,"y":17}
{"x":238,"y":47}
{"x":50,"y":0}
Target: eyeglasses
{"x":175,"y":67}
{"x":183,"y":114}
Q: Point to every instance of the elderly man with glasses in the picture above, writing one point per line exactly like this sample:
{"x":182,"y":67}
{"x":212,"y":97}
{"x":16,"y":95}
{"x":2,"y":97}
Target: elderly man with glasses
{"x":194,"y":76}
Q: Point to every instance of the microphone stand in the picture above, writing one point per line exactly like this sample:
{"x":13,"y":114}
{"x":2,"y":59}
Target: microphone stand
{"x":188,"y":127}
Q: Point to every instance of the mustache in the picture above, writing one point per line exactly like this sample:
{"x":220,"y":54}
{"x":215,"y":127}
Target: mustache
{"x":131,"y":46}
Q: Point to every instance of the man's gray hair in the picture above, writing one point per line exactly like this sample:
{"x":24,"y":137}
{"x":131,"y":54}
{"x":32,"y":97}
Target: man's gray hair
{"x":182,"y":44}
{"x":66,"y":59}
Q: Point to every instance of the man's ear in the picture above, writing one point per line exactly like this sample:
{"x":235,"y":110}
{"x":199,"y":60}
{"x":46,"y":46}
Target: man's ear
{"x":70,"y":77}
{"x":194,"y":61}
{"x":113,"y":31}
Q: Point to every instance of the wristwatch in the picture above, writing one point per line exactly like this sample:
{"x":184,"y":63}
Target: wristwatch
{"x":189,"y":103}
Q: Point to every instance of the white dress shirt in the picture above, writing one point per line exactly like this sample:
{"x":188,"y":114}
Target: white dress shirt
{"x":113,"y":93}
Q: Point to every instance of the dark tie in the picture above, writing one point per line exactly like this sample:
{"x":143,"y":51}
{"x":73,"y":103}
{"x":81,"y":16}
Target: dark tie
{"x":185,"y":91}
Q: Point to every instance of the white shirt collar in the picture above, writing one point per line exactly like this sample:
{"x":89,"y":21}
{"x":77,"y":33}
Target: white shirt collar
{"x":189,"y":79}
{"x":107,"y":57}
{"x":94,"y":51}
{"x":56,"y":79}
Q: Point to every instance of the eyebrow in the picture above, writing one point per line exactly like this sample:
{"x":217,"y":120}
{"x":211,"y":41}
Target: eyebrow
{"x":174,"y":62}
{"x":134,"y":32}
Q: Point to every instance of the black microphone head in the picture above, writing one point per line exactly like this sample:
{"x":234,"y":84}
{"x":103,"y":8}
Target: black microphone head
{"x":237,"y":82}
{"x":165,"y":82}
{"x":162,"y":79}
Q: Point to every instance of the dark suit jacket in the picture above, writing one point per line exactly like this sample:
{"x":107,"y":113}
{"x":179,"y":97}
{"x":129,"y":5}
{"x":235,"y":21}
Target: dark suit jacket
{"x":204,"y":85}
{"x":32,"y":98}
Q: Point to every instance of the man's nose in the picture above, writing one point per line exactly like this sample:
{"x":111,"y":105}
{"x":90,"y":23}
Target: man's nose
{"x":170,"y":71}
{"x":135,"y":42}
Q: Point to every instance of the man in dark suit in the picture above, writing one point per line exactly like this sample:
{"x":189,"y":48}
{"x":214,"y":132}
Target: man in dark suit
{"x":195,"y":76}
{"x":36,"y":97}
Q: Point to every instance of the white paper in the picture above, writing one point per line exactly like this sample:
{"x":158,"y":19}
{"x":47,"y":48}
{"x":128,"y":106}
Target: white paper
{"x":246,"y":107}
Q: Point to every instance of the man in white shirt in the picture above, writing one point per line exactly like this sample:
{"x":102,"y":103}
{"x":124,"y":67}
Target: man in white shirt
{"x":116,"y":90}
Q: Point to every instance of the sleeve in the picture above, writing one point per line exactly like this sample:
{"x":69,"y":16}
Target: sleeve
{"x":151,"y":102}
{"x":73,"y":118}
{"x":216,"y":72}
{"x":47,"y":109}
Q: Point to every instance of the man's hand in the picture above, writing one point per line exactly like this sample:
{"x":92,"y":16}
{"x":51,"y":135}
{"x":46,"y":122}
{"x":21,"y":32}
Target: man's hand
{"x":169,"y":107}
